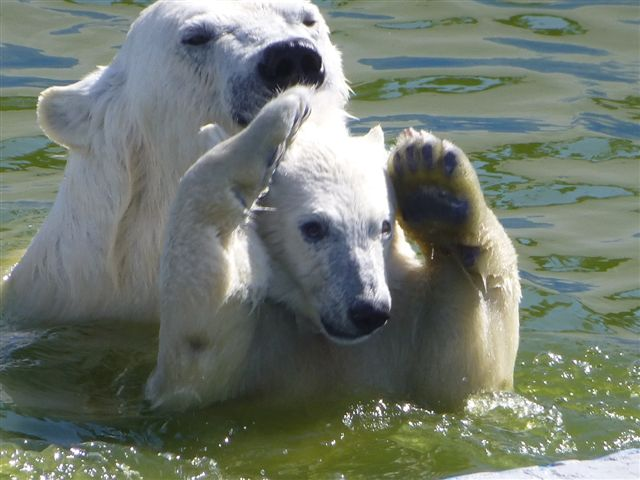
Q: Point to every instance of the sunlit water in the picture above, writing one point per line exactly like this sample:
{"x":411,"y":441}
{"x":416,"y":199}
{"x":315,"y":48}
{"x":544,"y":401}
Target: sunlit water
{"x":545,"y":98}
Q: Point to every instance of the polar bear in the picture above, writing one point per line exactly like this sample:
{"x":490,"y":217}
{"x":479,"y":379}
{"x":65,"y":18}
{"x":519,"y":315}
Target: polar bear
{"x":286,"y":271}
{"x":132,"y":129}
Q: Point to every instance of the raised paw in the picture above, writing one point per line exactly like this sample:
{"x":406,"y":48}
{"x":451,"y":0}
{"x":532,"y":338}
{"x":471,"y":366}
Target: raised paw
{"x":440,"y":203}
{"x":263,"y":143}
{"x":279,"y":120}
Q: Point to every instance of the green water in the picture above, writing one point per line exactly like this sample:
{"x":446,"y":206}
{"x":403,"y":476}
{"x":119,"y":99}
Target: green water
{"x":545,"y":98}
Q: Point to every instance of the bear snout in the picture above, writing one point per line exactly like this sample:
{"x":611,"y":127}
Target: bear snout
{"x":291,"y":62}
{"x":368,"y":316}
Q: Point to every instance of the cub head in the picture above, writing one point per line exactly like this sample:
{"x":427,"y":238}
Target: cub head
{"x":327,"y":223}
{"x":189,"y":63}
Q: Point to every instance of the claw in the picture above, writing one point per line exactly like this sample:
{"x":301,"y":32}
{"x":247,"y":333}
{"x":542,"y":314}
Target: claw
{"x":297,"y":123}
{"x":410,"y":132}
{"x":306,"y":113}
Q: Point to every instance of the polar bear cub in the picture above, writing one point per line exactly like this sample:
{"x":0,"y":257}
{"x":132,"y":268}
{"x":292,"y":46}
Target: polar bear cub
{"x":132,"y":131}
{"x":286,"y":271}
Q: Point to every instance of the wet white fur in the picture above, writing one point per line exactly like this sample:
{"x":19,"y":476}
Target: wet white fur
{"x":242,"y":292}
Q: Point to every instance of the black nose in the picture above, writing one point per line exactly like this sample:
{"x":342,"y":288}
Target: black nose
{"x":291,"y":62}
{"x":367,"y":316}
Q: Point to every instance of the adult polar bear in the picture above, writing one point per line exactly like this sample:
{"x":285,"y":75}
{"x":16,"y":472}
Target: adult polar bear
{"x":280,"y":299}
{"x":132,"y":131}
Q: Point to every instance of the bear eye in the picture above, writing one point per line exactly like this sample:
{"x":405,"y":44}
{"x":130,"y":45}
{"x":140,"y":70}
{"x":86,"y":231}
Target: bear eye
{"x":314,"y":231}
{"x":197,"y":36}
{"x":386,"y":228}
{"x":309,"y":21}
{"x":195,"y":40}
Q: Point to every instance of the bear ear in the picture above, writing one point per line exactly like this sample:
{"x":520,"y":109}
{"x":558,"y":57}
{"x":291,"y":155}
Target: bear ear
{"x":376,"y":136}
{"x":65,"y":113}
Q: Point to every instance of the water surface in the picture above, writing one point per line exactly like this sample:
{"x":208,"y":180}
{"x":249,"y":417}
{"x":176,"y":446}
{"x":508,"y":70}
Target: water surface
{"x":543,"y":96}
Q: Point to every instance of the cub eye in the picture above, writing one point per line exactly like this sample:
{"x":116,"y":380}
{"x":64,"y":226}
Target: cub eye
{"x":197,"y":36}
{"x":386,"y":228}
{"x":314,"y":231}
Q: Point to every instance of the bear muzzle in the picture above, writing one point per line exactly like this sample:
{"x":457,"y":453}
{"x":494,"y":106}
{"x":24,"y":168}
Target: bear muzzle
{"x":291,"y":62}
{"x":364,"y":318}
{"x":368,"y":316}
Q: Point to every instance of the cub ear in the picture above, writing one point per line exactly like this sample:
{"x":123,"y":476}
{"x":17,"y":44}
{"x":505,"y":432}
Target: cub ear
{"x":66,"y":113}
{"x":376,"y":136}
{"x":211,"y":135}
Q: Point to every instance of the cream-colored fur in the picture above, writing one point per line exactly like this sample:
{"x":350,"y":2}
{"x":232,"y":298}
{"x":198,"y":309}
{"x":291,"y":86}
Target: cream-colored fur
{"x":252,"y":307}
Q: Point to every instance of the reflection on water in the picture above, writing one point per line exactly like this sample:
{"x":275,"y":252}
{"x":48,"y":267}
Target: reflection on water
{"x":573,"y":263}
{"x":548,"y":47}
{"x":19,"y":57}
{"x":417,"y":24}
{"x":544,"y":99}
{"x":606,"y":71}
{"x":396,"y":88}
{"x":545,"y":24}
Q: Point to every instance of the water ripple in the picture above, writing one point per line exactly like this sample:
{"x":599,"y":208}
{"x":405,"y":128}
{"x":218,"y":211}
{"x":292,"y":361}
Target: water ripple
{"x":85,"y":13}
{"x":386,"y":89}
{"x":359,"y":15}
{"x":558,"y":5}
{"x":421,"y":24}
{"x":18,"y":56}
{"x":576,"y":263}
{"x":548,"y":47}
{"x":9,"y":81}
{"x":73,"y":30}
{"x":601,"y":123}
{"x":534,"y":195}
{"x":556,"y":284}
{"x":606,"y":71}
{"x":543,"y":24}
{"x":443,"y":124}
{"x":26,"y":152}
{"x":590,"y":148}
{"x":522,"y":222}
{"x":17,"y":103}
{"x":100,"y":20}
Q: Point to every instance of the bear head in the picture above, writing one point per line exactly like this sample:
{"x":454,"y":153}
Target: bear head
{"x":327,"y":223}
{"x":189,"y":63}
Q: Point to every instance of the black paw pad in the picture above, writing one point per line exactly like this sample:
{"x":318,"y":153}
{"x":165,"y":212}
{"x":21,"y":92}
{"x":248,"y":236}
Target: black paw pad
{"x":450,"y":162}
{"x":412,"y":158}
{"x":434,"y":204}
{"x":427,"y":155}
{"x":397,"y":164}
